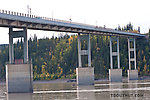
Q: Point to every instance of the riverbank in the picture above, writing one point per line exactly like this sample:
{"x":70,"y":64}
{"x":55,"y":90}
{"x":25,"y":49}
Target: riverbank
{"x":52,"y":81}
{"x":74,"y":80}
{"x":47,"y":81}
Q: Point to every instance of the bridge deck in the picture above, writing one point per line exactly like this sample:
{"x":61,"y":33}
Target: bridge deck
{"x":20,"y":20}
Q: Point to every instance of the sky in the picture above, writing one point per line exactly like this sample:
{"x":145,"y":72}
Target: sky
{"x":110,"y":13}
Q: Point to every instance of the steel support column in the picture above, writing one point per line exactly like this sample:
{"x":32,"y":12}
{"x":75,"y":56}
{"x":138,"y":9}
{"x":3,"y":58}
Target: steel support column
{"x":84,"y":52}
{"x":135,"y":54}
{"x":113,"y":53}
{"x":79,"y":51}
{"x":132,"y":73}
{"x":11,"y":47}
{"x":89,"y":52}
{"x":115,"y":75}
{"x":132,"y":50}
{"x":111,"y":59}
{"x":25,"y":46}
{"x":118,"y":53}
{"x":19,"y":76}
{"x":17,"y":34}
{"x":84,"y":75}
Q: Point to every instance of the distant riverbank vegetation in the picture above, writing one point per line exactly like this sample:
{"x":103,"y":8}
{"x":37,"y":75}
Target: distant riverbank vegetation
{"x":57,"y":57}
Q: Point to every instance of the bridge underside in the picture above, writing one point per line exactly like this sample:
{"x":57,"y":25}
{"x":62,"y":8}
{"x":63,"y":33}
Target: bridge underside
{"x":47,"y":27}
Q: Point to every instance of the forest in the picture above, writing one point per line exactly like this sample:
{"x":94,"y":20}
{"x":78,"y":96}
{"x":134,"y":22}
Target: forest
{"x":57,"y":57}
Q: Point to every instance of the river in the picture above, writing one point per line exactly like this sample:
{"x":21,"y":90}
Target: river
{"x":103,"y":90}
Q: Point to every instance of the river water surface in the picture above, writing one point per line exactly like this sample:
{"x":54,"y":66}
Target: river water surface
{"x":133,"y":90}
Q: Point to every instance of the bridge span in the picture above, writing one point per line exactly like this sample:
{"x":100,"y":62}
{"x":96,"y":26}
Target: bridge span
{"x":19,"y":77}
{"x":21,"y":20}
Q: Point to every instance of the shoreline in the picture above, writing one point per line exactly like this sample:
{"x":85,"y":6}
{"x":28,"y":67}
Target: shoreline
{"x":74,"y":80}
{"x":51,"y":81}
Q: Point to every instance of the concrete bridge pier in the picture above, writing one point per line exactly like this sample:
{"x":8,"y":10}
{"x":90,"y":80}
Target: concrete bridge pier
{"x":115,"y":75}
{"x":132,"y":73}
{"x":84,"y":75}
{"x":19,"y":76}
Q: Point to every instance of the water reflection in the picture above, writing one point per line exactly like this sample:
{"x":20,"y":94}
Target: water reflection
{"x":19,"y":96}
{"x":125,"y":91}
{"x":115,"y":94}
{"x":68,"y":91}
{"x":84,"y":93}
{"x":133,"y":94}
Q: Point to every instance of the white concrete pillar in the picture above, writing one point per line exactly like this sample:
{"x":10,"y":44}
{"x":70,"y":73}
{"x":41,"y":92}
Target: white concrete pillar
{"x":85,"y":76}
{"x":89,"y":51}
{"x":79,"y":51}
{"x":25,"y":46}
{"x":19,"y":78}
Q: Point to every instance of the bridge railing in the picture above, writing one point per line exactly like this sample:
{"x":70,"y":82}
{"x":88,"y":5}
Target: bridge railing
{"x":39,"y":17}
{"x":53,"y":19}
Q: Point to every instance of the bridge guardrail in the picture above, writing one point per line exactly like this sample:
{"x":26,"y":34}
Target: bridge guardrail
{"x":58,"y":20}
{"x":44,"y":18}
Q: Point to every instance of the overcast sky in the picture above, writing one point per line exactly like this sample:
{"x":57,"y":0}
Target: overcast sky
{"x":96,"y":12}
